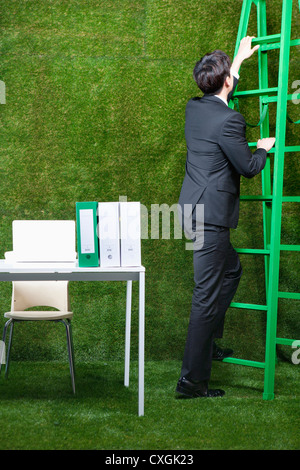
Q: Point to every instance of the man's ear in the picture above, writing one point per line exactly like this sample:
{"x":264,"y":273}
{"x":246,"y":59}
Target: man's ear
{"x":228,"y":81}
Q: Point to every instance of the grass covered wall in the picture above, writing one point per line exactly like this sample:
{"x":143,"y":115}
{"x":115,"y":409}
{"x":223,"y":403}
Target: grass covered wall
{"x":95,"y":101}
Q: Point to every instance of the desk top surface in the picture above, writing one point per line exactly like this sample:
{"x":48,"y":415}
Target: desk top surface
{"x":22,"y":267}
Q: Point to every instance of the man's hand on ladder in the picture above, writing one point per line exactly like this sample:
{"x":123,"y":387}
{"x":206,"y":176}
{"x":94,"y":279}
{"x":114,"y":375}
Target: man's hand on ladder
{"x":266,"y":143}
{"x":244,"y":52}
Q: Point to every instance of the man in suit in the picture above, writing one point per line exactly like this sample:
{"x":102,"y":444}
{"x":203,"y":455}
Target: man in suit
{"x":217,"y":155}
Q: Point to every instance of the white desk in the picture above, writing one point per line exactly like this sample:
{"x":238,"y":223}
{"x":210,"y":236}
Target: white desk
{"x":71,"y":272}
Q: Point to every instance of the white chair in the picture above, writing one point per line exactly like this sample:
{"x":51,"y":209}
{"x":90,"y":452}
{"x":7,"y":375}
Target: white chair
{"x":29,"y":294}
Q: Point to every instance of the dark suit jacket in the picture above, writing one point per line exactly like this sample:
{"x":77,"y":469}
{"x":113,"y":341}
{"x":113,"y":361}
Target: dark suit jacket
{"x":217,"y":154}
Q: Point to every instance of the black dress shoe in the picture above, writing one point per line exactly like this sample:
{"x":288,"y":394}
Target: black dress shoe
{"x":188,"y":389}
{"x":220,"y":354}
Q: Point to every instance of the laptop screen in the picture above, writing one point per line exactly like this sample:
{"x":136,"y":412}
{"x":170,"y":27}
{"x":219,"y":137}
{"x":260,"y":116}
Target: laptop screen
{"x":44,"y":240}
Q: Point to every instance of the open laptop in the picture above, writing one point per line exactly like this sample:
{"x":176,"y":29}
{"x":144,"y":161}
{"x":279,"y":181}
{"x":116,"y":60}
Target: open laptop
{"x":44,"y":241}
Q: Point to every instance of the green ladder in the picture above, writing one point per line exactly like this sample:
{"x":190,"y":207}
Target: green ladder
{"x":271,"y":200}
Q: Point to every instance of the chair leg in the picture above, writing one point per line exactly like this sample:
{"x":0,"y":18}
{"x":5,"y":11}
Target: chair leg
{"x":9,"y":348}
{"x":67,"y":324}
{"x":2,"y":357}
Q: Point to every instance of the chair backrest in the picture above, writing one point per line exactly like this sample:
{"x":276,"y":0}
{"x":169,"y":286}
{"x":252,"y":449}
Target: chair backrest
{"x":44,"y":240}
{"x":28,"y":294}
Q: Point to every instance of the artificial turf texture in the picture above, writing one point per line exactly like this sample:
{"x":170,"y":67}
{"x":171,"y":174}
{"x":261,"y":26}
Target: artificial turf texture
{"x":39,"y":411}
{"x":95,"y":99}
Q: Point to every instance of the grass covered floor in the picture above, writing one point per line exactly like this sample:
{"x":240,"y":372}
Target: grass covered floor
{"x":38,"y":410}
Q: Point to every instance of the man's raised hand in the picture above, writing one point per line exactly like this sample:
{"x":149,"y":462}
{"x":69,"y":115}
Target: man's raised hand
{"x":245,"y":50}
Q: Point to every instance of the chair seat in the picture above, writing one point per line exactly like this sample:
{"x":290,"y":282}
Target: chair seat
{"x":38,"y":315}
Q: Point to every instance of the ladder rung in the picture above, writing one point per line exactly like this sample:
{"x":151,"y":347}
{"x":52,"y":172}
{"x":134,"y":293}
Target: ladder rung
{"x":269,"y":198}
{"x":291,"y":199}
{"x":244,"y":362}
{"x":286,"y":341}
{"x":254,"y":144}
{"x":273,"y":99}
{"x":292,"y":148}
{"x":276,"y":45}
{"x":259,"y":92}
{"x":264,"y":92}
{"x":288,"y":148}
{"x":248,"y":306}
{"x":289,"y":295}
{"x":266,"y":39}
{"x":256,"y":198}
{"x":252,"y":251}
{"x":290,"y":247}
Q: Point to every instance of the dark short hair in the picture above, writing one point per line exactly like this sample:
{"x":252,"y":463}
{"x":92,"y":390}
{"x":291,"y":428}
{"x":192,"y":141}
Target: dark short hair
{"x":211,"y":71}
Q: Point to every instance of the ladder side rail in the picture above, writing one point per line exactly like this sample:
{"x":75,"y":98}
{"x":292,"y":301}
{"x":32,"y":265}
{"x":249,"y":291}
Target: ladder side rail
{"x":242,"y":30}
{"x":264,"y":132}
{"x":280,"y":134}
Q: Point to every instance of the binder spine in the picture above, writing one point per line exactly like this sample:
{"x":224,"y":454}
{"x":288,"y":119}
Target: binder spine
{"x":87,"y":237}
{"x":109,"y":234}
{"x":130,"y":230}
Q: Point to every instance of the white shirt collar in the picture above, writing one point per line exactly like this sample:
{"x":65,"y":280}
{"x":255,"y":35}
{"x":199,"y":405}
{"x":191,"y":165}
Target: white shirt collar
{"x":222,"y":99}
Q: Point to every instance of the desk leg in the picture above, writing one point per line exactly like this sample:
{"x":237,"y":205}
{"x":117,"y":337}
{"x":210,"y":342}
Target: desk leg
{"x":141,"y":340}
{"x":127,"y":332}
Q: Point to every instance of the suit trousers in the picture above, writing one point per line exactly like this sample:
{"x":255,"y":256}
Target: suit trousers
{"x":217,"y":272}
